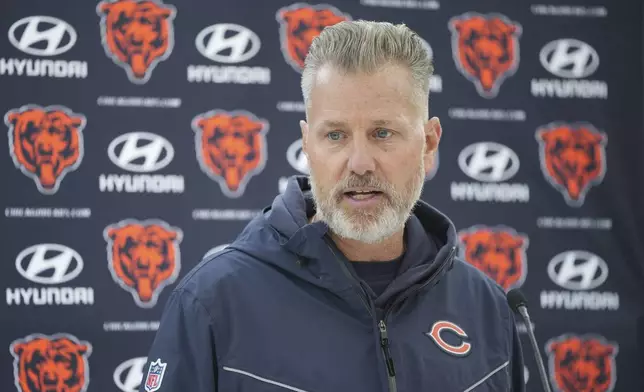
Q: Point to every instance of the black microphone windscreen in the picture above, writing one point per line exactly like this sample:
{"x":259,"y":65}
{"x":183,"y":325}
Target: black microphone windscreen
{"x":516,"y":299}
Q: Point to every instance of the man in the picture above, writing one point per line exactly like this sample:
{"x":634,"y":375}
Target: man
{"x":347,"y":282}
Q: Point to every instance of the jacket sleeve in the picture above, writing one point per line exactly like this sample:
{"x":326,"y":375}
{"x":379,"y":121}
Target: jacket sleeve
{"x":182,"y":356}
{"x":517,"y":362}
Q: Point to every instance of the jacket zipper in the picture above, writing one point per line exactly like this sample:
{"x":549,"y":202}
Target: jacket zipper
{"x":384,"y":339}
{"x":384,"y":345}
{"x":382,"y":326}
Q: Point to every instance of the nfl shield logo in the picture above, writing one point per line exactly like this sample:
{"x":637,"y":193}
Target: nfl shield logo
{"x":155,"y":375}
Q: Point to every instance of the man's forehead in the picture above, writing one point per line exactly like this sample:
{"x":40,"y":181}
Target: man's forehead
{"x":389,"y":76}
{"x":342,"y":96}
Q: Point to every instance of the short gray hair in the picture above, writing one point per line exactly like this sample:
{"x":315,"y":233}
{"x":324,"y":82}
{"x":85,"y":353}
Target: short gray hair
{"x":365,"y":47}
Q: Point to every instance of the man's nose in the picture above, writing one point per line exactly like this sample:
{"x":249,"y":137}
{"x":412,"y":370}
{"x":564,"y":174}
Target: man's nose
{"x":361,"y":159}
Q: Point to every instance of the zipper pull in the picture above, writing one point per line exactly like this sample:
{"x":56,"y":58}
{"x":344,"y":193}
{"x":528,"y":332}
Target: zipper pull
{"x":384,"y":344}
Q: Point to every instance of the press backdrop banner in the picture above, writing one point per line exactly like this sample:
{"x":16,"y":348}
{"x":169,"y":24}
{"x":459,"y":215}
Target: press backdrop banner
{"x":142,"y":136}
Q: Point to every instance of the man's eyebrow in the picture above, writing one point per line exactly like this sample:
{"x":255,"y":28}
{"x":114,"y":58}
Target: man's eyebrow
{"x":342,"y":124}
{"x":381,"y":123}
{"x":333,"y":124}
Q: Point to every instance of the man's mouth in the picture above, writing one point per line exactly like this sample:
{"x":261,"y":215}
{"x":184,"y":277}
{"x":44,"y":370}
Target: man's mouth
{"x":362,"y":194}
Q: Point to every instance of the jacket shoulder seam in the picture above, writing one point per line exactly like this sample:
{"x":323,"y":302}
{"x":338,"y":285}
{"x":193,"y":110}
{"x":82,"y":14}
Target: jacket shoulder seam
{"x":195,"y":299}
{"x":198,"y":267}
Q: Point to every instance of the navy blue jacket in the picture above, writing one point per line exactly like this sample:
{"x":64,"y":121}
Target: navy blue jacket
{"x":281,"y":309}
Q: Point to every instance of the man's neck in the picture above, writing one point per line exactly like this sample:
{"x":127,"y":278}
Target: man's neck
{"x":389,"y":249}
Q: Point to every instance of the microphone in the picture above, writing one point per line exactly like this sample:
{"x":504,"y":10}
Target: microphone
{"x":519,"y":304}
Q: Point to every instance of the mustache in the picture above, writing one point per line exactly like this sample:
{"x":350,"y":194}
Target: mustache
{"x":365,"y":181}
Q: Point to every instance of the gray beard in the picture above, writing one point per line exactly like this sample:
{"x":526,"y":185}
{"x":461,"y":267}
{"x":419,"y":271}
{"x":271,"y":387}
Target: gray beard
{"x":372,"y":226}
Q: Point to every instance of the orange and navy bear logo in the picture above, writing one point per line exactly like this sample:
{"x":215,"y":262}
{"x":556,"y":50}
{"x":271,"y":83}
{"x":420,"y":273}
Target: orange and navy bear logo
{"x":582,"y":363}
{"x":485,"y":49}
{"x":45,"y":143}
{"x":499,"y":252}
{"x":56,"y":363}
{"x":299,"y":24}
{"x":573,"y":158}
{"x":231,"y":148}
{"x":143,"y":257}
{"x":137,"y":35}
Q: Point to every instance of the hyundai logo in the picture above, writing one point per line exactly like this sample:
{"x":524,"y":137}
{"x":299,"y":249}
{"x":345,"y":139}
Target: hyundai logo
{"x":129,"y":374}
{"x":578,"y":270}
{"x":569,"y":58}
{"x":57,"y":35}
{"x":488,"y":162}
{"x":49,"y":263}
{"x":140,"y":152}
{"x":227,"y":43}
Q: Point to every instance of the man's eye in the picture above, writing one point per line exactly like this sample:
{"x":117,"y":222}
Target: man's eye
{"x":334,"y":135}
{"x":383,"y":133}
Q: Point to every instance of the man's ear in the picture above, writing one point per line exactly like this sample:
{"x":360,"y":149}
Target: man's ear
{"x":433,"y":132}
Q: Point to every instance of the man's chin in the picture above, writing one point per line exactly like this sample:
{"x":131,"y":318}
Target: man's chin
{"x":369,"y":234}
{"x":360,"y":216}
{"x":364,"y":226}
{"x":352,"y":208}
{"x":360,"y":219}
